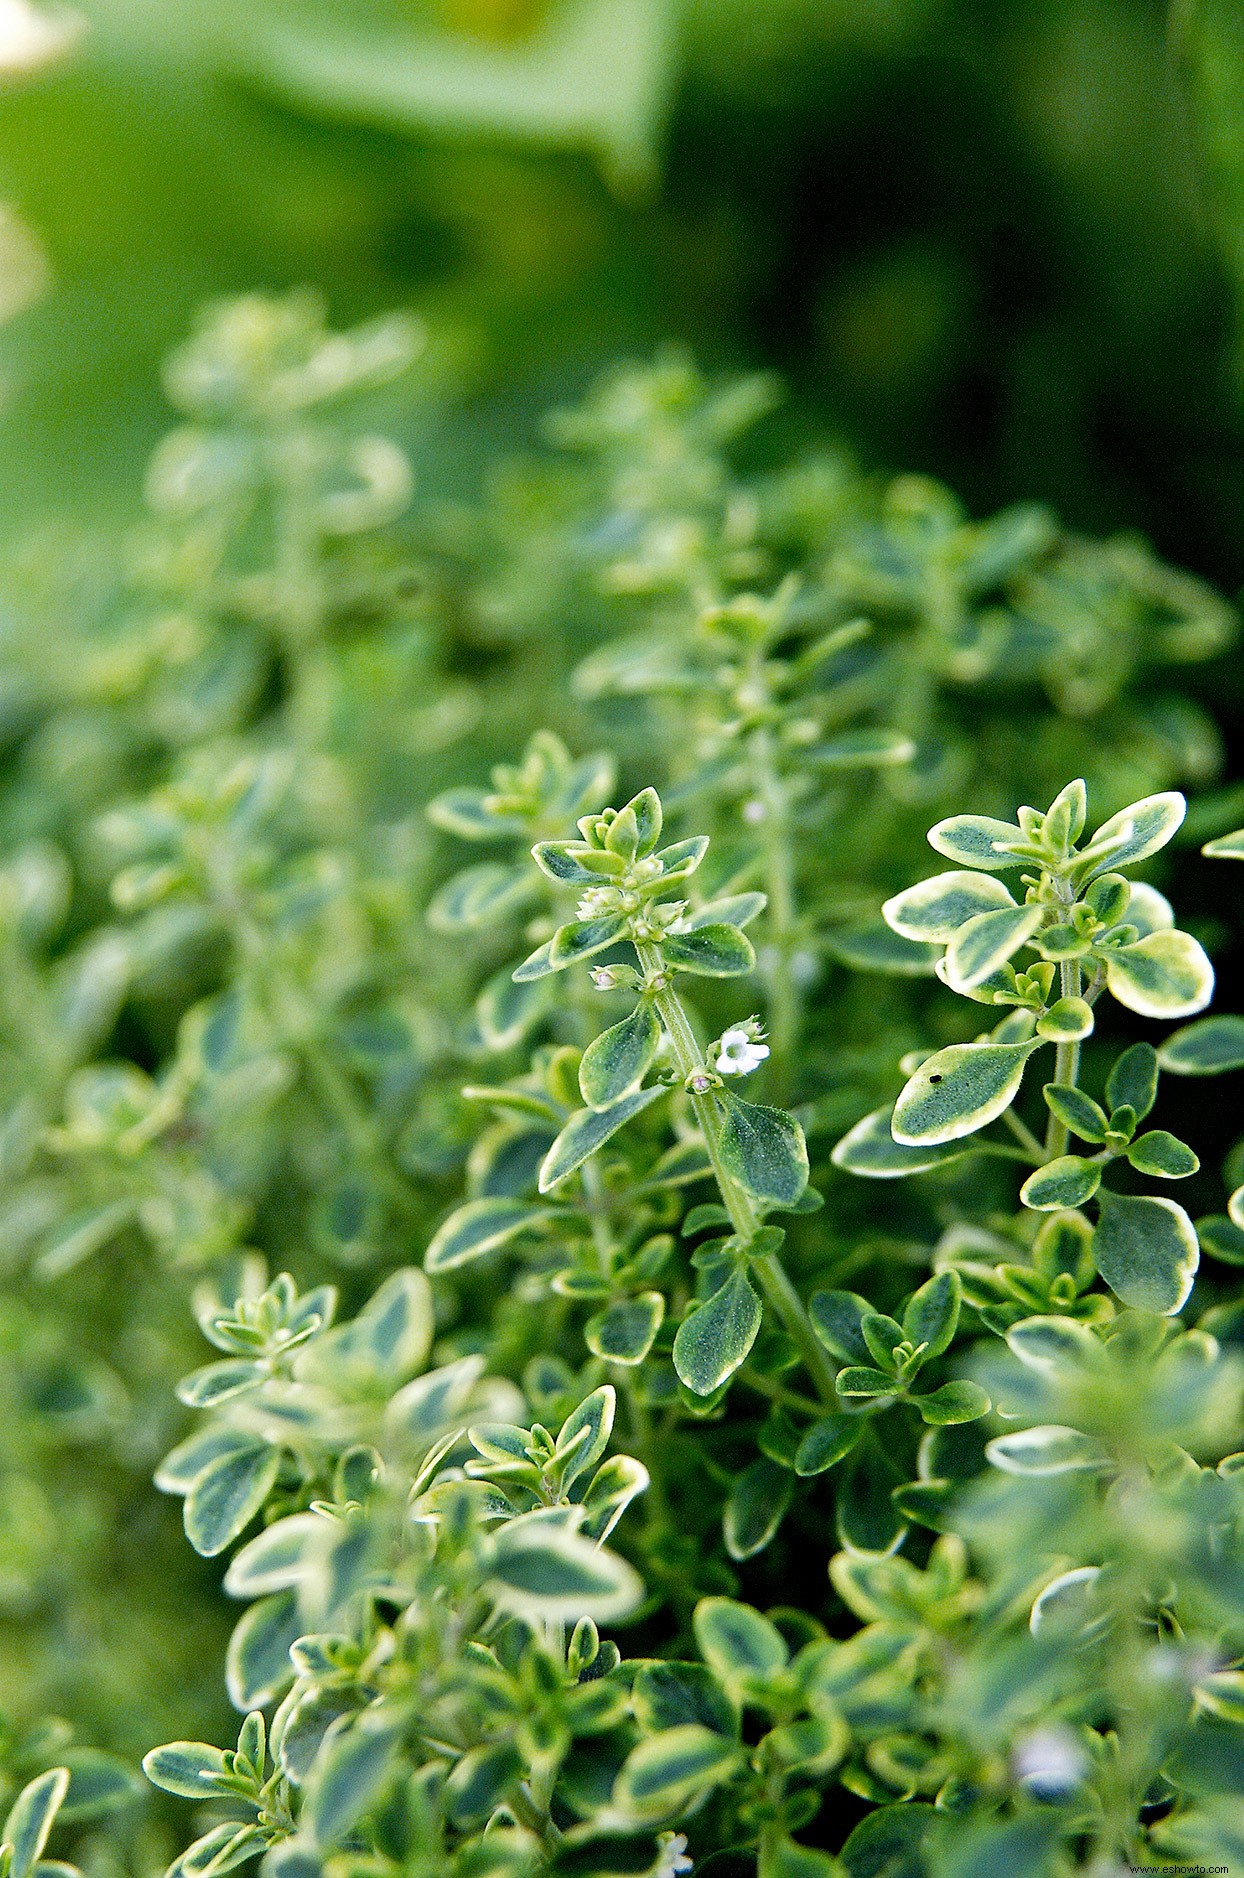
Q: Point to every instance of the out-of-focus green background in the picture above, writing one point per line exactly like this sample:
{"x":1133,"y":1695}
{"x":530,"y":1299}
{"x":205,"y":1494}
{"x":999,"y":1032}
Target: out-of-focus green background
{"x":988,"y":238}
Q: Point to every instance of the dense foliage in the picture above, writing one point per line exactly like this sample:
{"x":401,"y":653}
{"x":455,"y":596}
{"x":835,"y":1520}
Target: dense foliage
{"x":623,"y":1191}
{"x":679,"y":1397}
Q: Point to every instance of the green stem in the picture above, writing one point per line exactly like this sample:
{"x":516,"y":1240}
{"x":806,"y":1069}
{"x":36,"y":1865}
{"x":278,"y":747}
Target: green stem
{"x":785,"y":1001}
{"x":1066,"y":1061}
{"x":770,"y":1272}
{"x":1024,"y":1135}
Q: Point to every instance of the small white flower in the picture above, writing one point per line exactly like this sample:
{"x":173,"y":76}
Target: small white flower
{"x":672,"y":1860}
{"x":740,"y":1050}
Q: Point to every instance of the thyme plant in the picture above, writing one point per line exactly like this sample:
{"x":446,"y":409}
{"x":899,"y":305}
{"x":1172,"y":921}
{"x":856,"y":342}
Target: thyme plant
{"x":642,"y":1432}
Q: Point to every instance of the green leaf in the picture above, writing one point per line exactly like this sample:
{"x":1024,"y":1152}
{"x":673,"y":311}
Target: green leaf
{"x":931,"y":1315}
{"x":384,"y":1345}
{"x":682,"y":857}
{"x":589,"y":1129}
{"x":984,"y":943}
{"x":537,"y":964}
{"x":624,"y":1333}
{"x":1076,"y":1111}
{"x":581,"y":938}
{"x":953,"y":1404}
{"x":1221,"y":1238}
{"x":826,"y":1442}
{"x":479,"y":896}
{"x":463,"y":812}
{"x":716,"y":1337}
{"x":712,"y":951}
{"x":349,"y":1773}
{"x":957,"y":1091}
{"x":1133,"y":1080}
{"x":227,"y":1495}
{"x":649,"y":818}
{"x":870,"y":1150}
{"x":618,"y":1059}
{"x":737,"y":1643}
{"x":866,"y":1382}
{"x":543,"y":1568}
{"x":1163,"y":1155}
{"x":276,"y":1558}
{"x":584,"y":1435}
{"x":480,"y":1782}
{"x":663,"y":1776}
{"x":734,"y":909}
{"x":869,"y":945}
{"x":479,"y":1227}
{"x":1146,"y":1250}
{"x":506,"y":1010}
{"x":179,"y":1470}
{"x":888,"y":1843}
{"x":257,"y":1666}
{"x":99,"y":1784}
{"x":764,"y":1150}
{"x":190,"y":1769}
{"x":1133,"y":834}
{"x":836,"y":1318}
{"x":1209,"y":1047}
{"x":216,"y":1382}
{"x":935,"y":909}
{"x":978,"y":841}
{"x":1047,"y":1449}
{"x":863,"y":749}
{"x":1226,"y":847}
{"x":1166,"y":974}
{"x":1068,"y":1020}
{"x":1067,"y":1181}
{"x":31,"y":1819}
{"x":563,"y":861}
{"x":755,"y":1507}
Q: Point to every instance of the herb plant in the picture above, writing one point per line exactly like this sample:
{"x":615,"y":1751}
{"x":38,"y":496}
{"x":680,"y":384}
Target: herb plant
{"x":675,"y":1402}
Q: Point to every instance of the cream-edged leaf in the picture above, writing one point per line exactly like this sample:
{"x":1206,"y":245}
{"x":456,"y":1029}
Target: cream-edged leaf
{"x":936,"y":908}
{"x":956,"y":1091}
{"x":986,"y":942}
{"x":1165,"y":974}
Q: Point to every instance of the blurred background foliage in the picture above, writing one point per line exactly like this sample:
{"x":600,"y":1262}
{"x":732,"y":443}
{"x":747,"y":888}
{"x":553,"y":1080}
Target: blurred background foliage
{"x":999,"y":242}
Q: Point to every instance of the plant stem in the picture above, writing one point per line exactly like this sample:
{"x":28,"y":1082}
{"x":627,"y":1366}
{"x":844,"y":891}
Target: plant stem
{"x":1024,"y":1135}
{"x":1066,"y":1061}
{"x":785,"y":1001}
{"x":770,"y":1272}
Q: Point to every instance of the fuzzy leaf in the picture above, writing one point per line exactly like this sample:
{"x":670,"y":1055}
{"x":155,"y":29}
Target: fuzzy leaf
{"x":984,"y":943}
{"x":581,"y":938}
{"x":618,"y":1059}
{"x":1146,"y":1250}
{"x":226,"y":1496}
{"x":589,"y":1129}
{"x":826,"y":1442}
{"x":764,"y":1149}
{"x":957,"y":1091}
{"x":716,"y":1337}
{"x":479,"y":1227}
{"x":1134,"y":834}
{"x":953,"y":1404}
{"x":1164,"y":1155}
{"x":931,"y":1315}
{"x":1068,"y":1181}
{"x":1164,"y":975}
{"x":1209,"y":1047}
{"x":348,"y":1775}
{"x":543,"y":1568}
{"x":736,"y":1641}
{"x":1047,"y":1449}
{"x":712,"y":951}
{"x":190,"y":1769}
{"x":663,"y":1775}
{"x":624,"y":1332}
{"x":977,"y":841}
{"x":31,"y":1818}
{"x":756,"y":1506}
{"x":870,"y":1150}
{"x":935,"y":909}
